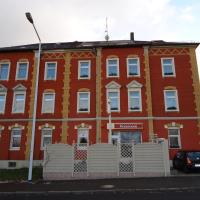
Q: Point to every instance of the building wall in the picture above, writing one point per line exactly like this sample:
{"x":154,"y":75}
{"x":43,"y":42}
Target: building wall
{"x":66,"y":120}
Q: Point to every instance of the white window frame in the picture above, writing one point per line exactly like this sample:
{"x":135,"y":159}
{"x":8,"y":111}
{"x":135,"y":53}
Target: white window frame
{"x":11,"y":139}
{"x":118,"y":96}
{"x":79,"y":69}
{"x":79,"y":146}
{"x":165,"y":100}
{"x":173,"y":67}
{"x":14,"y":101}
{"x":45,"y":74}
{"x":17,"y":70}
{"x":1,"y":63}
{"x":107,"y":67}
{"x":138,"y":67}
{"x":140,"y":100}
{"x":43,"y":102}
{"x":4,"y":105}
{"x":178,"y":136}
{"x":78,"y":99}
{"x":42,"y":137}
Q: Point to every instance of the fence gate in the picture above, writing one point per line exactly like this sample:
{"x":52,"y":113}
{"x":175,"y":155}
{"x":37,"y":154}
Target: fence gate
{"x":126,"y":158}
{"x":80,"y":159}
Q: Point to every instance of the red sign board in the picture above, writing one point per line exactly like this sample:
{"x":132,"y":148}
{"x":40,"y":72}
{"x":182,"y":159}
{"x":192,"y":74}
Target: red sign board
{"x":128,"y":126}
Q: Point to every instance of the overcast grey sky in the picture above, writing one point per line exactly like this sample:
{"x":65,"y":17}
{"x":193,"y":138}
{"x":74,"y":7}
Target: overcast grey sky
{"x":84,"y":20}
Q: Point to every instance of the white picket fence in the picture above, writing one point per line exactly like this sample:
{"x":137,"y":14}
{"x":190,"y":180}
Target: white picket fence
{"x":62,"y":161}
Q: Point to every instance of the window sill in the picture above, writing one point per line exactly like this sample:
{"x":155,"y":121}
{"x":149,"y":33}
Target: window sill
{"x":14,"y":149}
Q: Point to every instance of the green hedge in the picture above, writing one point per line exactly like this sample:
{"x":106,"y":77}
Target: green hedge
{"x":20,"y":174}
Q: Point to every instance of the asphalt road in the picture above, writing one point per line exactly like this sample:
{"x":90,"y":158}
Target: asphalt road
{"x":184,"y":194}
{"x":169,"y":188}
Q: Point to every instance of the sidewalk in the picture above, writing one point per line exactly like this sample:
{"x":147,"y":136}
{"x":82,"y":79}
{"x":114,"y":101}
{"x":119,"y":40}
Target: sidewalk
{"x":123,"y":184}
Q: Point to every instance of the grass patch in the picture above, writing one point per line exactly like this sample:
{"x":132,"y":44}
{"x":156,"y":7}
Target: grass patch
{"x":20,"y":174}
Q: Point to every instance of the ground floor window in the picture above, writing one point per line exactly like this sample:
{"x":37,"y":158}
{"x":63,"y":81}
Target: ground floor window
{"x":83,"y":139}
{"x":174,"y":138}
{"x":126,"y":137}
{"x":46,"y":137}
{"x":15,"y":141}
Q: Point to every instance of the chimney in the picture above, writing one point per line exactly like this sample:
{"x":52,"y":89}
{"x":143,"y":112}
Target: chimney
{"x":132,"y":36}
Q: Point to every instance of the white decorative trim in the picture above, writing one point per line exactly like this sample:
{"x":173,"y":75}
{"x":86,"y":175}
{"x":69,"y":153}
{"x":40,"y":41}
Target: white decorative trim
{"x":113,"y":85}
{"x":16,"y":125}
{"x":19,"y":87}
{"x":134,"y":84}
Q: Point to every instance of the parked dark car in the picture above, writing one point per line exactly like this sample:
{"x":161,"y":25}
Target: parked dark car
{"x":187,"y":161}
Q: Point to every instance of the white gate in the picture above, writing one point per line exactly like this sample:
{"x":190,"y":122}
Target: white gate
{"x":126,"y":158}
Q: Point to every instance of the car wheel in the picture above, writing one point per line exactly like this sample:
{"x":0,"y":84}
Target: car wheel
{"x":186,"y":170}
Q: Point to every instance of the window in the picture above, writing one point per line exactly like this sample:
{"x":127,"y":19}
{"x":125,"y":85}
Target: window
{"x":126,"y":137}
{"x":84,"y":70}
{"x":50,"y":70}
{"x":83,"y":138}
{"x":113,"y":96}
{"x":83,"y":102}
{"x":133,"y":67}
{"x":2,"y":102}
{"x":168,"y":68}
{"x":15,"y":141}
{"x":174,"y":138}
{"x":113,"y":67}
{"x":134,"y":100}
{"x":18,"y":102}
{"x":171,"y":100}
{"x":4,"y":71}
{"x":46,"y":137}
{"x":48,"y":103}
{"x":22,"y":71}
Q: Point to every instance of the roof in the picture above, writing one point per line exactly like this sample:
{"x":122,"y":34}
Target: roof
{"x":95,"y":44}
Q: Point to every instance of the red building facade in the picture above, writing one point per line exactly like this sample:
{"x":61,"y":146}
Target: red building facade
{"x":148,"y":89}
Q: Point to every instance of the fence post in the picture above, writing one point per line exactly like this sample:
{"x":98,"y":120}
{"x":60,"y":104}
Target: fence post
{"x":165,"y":156}
{"x":133,"y":157}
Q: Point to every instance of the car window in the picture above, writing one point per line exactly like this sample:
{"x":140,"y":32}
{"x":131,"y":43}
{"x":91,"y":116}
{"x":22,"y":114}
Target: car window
{"x":193,"y":155}
{"x":180,"y":155}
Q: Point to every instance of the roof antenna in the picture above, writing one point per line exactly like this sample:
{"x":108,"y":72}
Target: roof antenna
{"x":106,"y":31}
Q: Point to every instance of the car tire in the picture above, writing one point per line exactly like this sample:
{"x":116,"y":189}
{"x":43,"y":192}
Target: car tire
{"x":186,"y":170}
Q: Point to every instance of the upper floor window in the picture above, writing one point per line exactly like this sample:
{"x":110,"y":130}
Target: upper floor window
{"x":50,"y":71}
{"x":84,"y":69}
{"x":83,"y":103}
{"x":15,"y":140}
{"x":4,"y":71}
{"x":134,"y":100}
{"x":19,"y":102}
{"x":174,"y":138}
{"x":2,"y":101}
{"x":46,"y":137}
{"x":171,"y":100}
{"x":22,"y":71}
{"x":113,"y":67}
{"x":133,"y":67}
{"x":168,"y":68}
{"x":113,"y":99}
{"x":48,"y":102}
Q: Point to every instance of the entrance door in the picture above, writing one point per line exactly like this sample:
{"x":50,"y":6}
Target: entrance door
{"x":126,"y":137}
